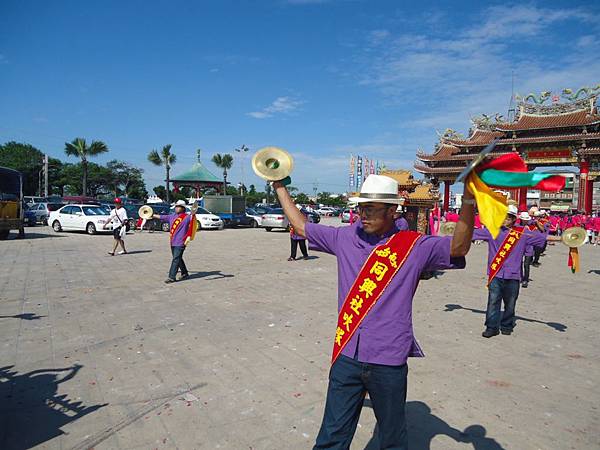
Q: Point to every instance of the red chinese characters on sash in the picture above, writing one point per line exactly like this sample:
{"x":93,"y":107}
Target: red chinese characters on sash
{"x":376,"y":273}
{"x":176,"y":224}
{"x":505,"y":249}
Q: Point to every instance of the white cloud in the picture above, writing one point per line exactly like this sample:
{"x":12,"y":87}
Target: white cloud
{"x":449,"y":75}
{"x":281,"y":105}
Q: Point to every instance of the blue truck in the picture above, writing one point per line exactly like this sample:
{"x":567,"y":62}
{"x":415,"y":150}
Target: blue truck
{"x":230,"y":208}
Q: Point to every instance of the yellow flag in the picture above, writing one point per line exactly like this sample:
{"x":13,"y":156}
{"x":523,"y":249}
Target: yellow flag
{"x":492,"y":206}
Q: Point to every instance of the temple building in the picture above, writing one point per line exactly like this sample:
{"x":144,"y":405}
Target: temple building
{"x":558,"y":134}
{"x":419,"y":198}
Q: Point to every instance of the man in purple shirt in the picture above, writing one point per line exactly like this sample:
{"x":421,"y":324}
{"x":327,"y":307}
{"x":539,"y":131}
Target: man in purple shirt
{"x":504,"y":287}
{"x":374,"y":359}
{"x":401,"y":222}
{"x":179,"y":224}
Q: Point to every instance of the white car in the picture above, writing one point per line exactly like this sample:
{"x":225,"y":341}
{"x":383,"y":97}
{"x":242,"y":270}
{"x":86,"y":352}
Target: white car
{"x":325,"y":211}
{"x":206,"y":219}
{"x":256,"y":217}
{"x":89,"y":218}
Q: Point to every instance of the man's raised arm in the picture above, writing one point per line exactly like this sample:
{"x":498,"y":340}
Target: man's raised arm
{"x":296,"y":218}
{"x":463,"y":233}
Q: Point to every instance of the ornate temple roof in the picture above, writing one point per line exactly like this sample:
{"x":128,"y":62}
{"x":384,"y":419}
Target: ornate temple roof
{"x":404,"y":178}
{"x":589,"y":151}
{"x":478,"y":137}
{"x":197,"y":174}
{"x":528,"y":121}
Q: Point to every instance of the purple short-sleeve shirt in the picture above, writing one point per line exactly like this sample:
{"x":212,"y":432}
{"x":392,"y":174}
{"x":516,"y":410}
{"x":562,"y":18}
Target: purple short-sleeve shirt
{"x":178,"y":239}
{"x":511,"y":269}
{"x":385,"y":336}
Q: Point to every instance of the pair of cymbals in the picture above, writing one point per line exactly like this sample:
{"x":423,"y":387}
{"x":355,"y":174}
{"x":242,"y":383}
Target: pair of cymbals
{"x":447,"y":229}
{"x":574,"y":237}
{"x":272,"y":163}
{"x":146,"y":212}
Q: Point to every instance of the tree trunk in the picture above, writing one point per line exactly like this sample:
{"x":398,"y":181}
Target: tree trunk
{"x":84,"y":183}
{"x":224,"y":181}
{"x":168,"y":179}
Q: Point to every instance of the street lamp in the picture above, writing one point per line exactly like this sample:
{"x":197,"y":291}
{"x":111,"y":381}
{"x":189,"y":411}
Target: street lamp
{"x":242,"y":151}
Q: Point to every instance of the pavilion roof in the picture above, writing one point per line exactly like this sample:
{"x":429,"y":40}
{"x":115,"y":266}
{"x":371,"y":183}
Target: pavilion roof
{"x":198,"y":174}
{"x":444,"y":151}
{"x":528,"y":121}
{"x":554,"y":138}
{"x":422,"y":192}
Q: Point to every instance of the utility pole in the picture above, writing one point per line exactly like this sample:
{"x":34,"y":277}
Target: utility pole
{"x":242,"y":151}
{"x":45,"y":175}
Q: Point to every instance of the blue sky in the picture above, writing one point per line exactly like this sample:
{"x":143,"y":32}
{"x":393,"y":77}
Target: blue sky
{"x":323,"y":79}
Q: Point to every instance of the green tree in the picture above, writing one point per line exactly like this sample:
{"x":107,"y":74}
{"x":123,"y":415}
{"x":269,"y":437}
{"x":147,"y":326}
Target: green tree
{"x":26,"y":159}
{"x":127,"y":179}
{"x":79,"y":148}
{"x":302,"y":198}
{"x":224,"y":162}
{"x":167,"y":159}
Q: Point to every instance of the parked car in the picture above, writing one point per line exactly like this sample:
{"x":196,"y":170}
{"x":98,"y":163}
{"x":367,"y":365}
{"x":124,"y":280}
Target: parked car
{"x":312,"y":216}
{"x":346,"y":215}
{"x":262,"y":209}
{"x":29,"y":218}
{"x":254,"y":216}
{"x":42,"y":210}
{"x":85,"y":217}
{"x":31,"y":199}
{"x":274,"y":218}
{"x":326,"y":211}
{"x":206,"y":219}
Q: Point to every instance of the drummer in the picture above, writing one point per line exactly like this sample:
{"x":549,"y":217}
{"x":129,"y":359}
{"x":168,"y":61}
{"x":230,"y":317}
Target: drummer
{"x":179,"y":224}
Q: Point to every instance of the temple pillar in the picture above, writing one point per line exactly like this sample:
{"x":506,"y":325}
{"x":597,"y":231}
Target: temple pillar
{"x":446,"y":204}
{"x":584,"y":199}
{"x":523,"y":199}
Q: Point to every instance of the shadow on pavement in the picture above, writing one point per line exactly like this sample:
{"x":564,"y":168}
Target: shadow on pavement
{"x":24,"y":316}
{"x":28,"y":235}
{"x":31,"y":411}
{"x":557,"y":326}
{"x":215,"y":274}
{"x":423,"y":427}
{"x":596,"y":271}
{"x":138,"y":251}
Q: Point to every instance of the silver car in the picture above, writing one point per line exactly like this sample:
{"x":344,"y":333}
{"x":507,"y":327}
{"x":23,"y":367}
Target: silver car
{"x":274,"y":218}
{"x":42,"y":210}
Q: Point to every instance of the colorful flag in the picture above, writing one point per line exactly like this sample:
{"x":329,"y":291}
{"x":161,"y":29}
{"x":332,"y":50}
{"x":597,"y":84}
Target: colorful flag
{"x":359,"y":174}
{"x":507,"y":171}
{"x":372,"y":168}
{"x":351,"y":183}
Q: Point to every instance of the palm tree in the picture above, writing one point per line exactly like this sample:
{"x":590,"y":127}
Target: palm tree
{"x":164,"y":158}
{"x":78,"y":147}
{"x":224,"y":162}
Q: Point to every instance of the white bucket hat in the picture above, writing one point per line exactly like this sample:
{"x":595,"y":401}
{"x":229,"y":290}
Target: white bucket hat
{"x":180,"y":203}
{"x":524,"y":215}
{"x":512,"y":210}
{"x":378,"y":188}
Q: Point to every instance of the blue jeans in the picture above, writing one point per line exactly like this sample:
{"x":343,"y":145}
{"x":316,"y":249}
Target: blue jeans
{"x":349,"y":381}
{"x":177,"y":262}
{"x":505,"y":291}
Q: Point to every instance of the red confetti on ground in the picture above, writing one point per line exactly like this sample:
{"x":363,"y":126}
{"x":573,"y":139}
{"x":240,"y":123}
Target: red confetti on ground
{"x":498,"y":383}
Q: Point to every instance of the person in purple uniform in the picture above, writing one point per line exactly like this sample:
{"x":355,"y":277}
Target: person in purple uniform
{"x":526,"y":221}
{"x":179,"y":228}
{"x":374,"y":358}
{"x":505,"y":254}
{"x":401,"y":222}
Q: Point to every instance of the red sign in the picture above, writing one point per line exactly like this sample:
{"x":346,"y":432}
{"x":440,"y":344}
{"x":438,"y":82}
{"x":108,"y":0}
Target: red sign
{"x":549,"y":154}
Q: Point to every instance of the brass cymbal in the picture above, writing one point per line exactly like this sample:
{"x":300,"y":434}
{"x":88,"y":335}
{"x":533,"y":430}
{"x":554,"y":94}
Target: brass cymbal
{"x":447,"y":229}
{"x":146,"y":212}
{"x":574,"y":237}
{"x":272,"y":163}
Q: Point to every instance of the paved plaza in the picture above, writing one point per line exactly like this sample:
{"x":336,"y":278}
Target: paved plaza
{"x":97,"y":352}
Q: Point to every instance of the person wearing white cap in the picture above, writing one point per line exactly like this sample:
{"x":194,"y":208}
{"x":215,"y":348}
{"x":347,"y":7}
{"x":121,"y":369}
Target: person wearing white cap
{"x":401,"y":222}
{"x":378,"y":271}
{"x":179,"y":230}
{"x":505,"y":256}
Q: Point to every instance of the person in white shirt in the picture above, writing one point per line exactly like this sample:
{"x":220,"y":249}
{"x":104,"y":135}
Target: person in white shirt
{"x":118,"y":219}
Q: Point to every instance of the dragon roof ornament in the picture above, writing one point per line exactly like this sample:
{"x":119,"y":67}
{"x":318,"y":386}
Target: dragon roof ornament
{"x":548,"y":104}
